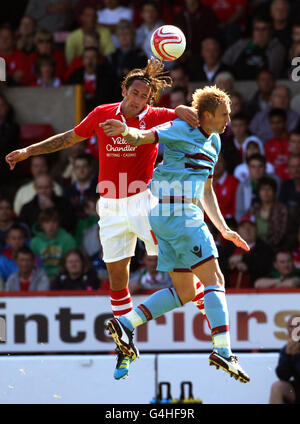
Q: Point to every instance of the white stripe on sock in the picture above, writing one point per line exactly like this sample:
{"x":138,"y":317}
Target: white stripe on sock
{"x":134,"y":318}
{"x":122,"y":307}
{"x":221,"y":340}
{"x":119,"y":300}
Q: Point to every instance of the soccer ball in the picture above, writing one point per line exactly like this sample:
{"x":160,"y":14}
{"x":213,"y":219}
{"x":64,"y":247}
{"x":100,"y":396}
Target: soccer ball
{"x":168,"y":42}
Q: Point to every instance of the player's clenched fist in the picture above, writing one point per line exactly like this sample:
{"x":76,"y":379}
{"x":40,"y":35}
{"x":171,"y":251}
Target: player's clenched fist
{"x":112,"y":127}
{"x":16,"y":156}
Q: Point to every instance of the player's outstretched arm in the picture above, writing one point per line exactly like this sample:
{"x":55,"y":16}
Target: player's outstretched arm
{"x":52,"y":144}
{"x":211,"y":207}
{"x":133,"y":136}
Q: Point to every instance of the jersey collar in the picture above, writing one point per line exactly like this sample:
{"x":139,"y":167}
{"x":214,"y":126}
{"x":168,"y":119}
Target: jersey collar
{"x":203,"y":132}
{"x":140,"y":116}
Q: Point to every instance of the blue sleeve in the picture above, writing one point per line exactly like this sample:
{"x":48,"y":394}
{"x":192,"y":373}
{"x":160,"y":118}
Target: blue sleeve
{"x":171,"y":131}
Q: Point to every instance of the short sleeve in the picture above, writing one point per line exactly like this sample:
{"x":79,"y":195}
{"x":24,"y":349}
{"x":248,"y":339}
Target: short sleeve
{"x":87,"y":127}
{"x":164,"y":114}
{"x":169,"y":131}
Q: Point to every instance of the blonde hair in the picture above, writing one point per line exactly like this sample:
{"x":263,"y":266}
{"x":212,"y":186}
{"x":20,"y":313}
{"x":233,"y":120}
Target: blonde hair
{"x":153,"y":75}
{"x":208,"y":99}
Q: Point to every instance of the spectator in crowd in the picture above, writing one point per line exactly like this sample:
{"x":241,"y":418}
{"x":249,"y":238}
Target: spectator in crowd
{"x":99,"y":81}
{"x":25,"y":193}
{"x":197,"y":23}
{"x":15,"y":239}
{"x":280,"y":16}
{"x":90,"y":39}
{"x":225,"y":81}
{"x":151,"y":21}
{"x":90,"y":220}
{"x":233,"y":147}
{"x":63,"y":169}
{"x":178,"y":96}
{"x":230,"y":14}
{"x":51,"y":242}
{"x":225,"y":187}
{"x":112,"y":14}
{"x":74,"y":42}
{"x":167,"y":10}
{"x":294,"y":49}
{"x":276,"y":148}
{"x":211,"y":64}
{"x":251,"y":146}
{"x":247,"y":190}
{"x":51,"y":15}
{"x":180,"y":78}
{"x":237,"y":108}
{"x":46,"y":198}
{"x":248,"y":56}
{"x":7,"y":221}
{"x":88,"y":237}
{"x":271,"y":216}
{"x":16,"y":61}
{"x":293,"y":149}
{"x":284,"y":273}
{"x":81,"y":4}
{"x":261,"y":99}
{"x":45,"y":46}
{"x":45,"y":70}
{"x":148,"y":278}
{"x":290,"y":189}
{"x":26,"y":35}
{"x":296,"y":249}
{"x":244,"y":268}
{"x":237,"y":103}
{"x":9,"y":136}
{"x":28,"y":277}
{"x":76,"y":273}
{"x":287,"y":389}
{"x":293,"y":226}
{"x":280,"y":98}
{"x":127,"y":56}
{"x":85,"y":185}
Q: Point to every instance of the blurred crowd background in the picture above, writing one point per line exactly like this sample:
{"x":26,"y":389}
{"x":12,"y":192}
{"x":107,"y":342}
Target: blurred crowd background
{"x":49,"y":238}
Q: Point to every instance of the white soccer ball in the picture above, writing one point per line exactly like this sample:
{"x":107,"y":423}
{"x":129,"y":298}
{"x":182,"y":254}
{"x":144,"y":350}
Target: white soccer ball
{"x":168,"y":42}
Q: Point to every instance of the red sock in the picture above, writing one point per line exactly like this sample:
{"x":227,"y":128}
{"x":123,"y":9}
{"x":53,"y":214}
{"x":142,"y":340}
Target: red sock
{"x":199,"y":300}
{"x":121,"y":302}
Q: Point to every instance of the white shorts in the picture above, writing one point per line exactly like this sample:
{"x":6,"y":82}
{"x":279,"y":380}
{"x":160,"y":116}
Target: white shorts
{"x":122,"y":221}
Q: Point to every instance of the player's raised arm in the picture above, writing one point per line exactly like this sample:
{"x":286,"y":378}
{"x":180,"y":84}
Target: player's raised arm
{"x":211,"y":207}
{"x":51,"y":144}
{"x":133,"y":136}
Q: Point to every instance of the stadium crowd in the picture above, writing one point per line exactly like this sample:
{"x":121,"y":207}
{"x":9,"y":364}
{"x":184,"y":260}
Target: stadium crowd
{"x":49,"y":236}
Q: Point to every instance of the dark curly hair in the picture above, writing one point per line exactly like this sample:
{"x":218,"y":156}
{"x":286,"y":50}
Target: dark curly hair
{"x":153,"y":75}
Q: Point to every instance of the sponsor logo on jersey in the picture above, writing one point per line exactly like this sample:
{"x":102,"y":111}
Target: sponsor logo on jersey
{"x":197,"y":250}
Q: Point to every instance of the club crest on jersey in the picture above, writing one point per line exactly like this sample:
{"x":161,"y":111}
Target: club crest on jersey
{"x":142,"y":125}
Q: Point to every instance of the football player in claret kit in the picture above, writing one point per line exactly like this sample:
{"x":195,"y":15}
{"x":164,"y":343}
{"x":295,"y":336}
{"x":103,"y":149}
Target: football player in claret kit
{"x":124,"y":173}
{"x":186,"y":247}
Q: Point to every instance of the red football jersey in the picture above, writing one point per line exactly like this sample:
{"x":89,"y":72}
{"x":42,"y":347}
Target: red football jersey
{"x":225,"y":190}
{"x":124,"y":170}
{"x":277,"y":151}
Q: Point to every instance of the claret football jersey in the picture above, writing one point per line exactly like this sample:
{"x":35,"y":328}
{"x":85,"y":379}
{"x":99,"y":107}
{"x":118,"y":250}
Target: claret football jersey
{"x":124,"y":170}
